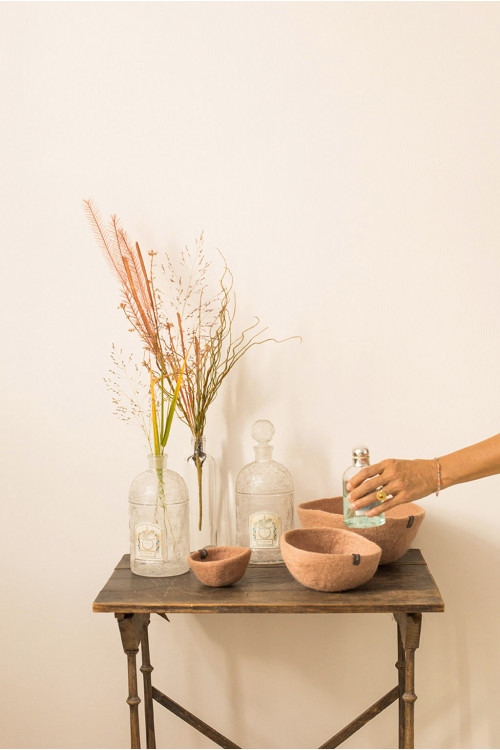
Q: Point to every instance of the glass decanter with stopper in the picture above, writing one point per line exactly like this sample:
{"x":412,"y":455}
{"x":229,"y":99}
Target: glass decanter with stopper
{"x":159,"y":521}
{"x":357,"y":518}
{"x":264,"y":500}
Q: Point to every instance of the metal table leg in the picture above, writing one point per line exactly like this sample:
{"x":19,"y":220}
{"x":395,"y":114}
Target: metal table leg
{"x":131,"y":630}
{"x":409,"y":626}
{"x":146,"y":670}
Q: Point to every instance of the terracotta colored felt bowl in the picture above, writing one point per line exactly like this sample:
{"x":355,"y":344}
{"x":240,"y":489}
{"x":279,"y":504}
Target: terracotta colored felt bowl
{"x":393,"y":537}
{"x":329,"y":559}
{"x":222,"y":566}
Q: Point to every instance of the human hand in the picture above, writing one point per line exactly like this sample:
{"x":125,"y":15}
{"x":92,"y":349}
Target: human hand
{"x":402,"y":481}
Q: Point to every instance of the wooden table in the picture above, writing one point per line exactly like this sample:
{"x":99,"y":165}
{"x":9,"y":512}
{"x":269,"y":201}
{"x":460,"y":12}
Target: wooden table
{"x":405,"y":588}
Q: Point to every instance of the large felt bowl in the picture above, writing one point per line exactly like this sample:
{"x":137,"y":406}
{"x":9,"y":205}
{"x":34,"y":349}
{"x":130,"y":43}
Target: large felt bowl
{"x":219,"y":566}
{"x":394,"y":537}
{"x":329,"y":559}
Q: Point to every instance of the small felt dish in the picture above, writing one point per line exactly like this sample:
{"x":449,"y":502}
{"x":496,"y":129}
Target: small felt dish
{"x":394,"y":536}
{"x":219,"y":566}
{"x":329,"y":559}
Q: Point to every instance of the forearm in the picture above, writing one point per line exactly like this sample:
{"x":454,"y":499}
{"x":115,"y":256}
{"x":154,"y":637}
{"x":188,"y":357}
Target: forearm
{"x":474,"y":462}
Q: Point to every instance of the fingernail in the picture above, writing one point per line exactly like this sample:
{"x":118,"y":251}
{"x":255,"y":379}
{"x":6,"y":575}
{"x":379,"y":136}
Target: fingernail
{"x":352,"y":506}
{"x":349,"y":486}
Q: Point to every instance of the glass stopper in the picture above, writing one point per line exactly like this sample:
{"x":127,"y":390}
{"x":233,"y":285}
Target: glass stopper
{"x":263,"y":431}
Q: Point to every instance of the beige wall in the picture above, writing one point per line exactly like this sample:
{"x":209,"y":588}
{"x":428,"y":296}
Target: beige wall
{"x":345,"y":157}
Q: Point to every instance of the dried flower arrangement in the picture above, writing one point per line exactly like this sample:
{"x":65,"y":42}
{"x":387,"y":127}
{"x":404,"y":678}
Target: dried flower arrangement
{"x":186,"y":330}
{"x":140,"y":307}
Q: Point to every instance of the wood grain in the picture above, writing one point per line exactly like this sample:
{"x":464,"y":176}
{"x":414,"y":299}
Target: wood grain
{"x":404,"y":586}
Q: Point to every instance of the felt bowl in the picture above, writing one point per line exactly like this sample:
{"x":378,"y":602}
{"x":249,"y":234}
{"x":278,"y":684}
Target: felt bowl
{"x":394,"y":537}
{"x":222,"y":566}
{"x":329,"y":559}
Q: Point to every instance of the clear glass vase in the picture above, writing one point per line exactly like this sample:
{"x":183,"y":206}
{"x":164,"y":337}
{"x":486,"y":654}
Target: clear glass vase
{"x":200,"y":478}
{"x":159,"y":521}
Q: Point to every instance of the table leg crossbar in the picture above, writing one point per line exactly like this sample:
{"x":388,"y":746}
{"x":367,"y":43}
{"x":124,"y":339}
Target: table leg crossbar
{"x":134,"y":632}
{"x":193,"y":720}
{"x":224,"y":742}
{"x":363,"y":718}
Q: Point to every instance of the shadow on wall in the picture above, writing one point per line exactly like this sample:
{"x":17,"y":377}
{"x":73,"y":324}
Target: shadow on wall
{"x":457,"y":663}
{"x":462,"y":647}
{"x":319,"y":658}
{"x":313,"y":663}
{"x":234,"y":411}
{"x":242,"y":406}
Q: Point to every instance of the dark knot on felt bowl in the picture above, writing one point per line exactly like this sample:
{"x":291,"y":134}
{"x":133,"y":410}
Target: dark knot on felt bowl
{"x":394,"y":537}
{"x":329,"y":559}
{"x":219,"y":566}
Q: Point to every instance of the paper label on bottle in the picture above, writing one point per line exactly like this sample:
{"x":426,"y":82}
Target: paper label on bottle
{"x":265,"y":530}
{"x":147,"y":541}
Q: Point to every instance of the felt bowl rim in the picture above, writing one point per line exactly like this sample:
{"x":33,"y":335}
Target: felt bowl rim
{"x":241,"y":553}
{"x":413,"y":509}
{"x":373,"y":548}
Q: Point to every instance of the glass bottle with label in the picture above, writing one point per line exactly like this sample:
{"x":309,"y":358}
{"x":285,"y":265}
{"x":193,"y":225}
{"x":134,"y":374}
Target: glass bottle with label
{"x":264,"y":500}
{"x":159,"y":521}
{"x":357,"y":518}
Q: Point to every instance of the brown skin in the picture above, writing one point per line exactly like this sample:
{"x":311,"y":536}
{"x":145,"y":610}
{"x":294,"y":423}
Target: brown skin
{"x":406,"y":481}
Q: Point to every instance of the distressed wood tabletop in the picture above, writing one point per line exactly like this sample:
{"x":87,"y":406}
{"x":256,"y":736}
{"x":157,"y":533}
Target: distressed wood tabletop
{"x":404,"y":586}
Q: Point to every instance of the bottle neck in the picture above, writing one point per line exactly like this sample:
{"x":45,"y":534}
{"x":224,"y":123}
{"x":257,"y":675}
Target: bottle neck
{"x":263,"y":452}
{"x":360,"y":462}
{"x":157,"y":462}
{"x":198,"y":442}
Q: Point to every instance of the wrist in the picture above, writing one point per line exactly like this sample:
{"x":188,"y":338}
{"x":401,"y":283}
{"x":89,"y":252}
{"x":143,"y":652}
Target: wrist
{"x":446,"y":478}
{"x":438,"y":469}
{"x":435,"y":482}
{"x":426,"y":477}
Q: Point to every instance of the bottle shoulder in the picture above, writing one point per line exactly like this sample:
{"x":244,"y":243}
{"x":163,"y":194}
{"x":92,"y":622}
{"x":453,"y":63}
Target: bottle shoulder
{"x":264,"y":477}
{"x":351,"y":471}
{"x":144,"y":489}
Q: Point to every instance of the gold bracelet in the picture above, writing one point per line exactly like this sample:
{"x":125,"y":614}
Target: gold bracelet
{"x":439,"y":476}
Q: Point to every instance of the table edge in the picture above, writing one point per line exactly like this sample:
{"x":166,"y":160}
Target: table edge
{"x":436,"y":605}
{"x":265,"y":609}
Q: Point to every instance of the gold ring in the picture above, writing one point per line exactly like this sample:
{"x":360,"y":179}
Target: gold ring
{"x":381,"y":496}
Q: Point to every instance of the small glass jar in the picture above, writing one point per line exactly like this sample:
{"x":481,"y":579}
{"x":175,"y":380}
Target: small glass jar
{"x":264,"y":500}
{"x":159,"y":521}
